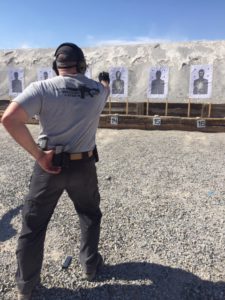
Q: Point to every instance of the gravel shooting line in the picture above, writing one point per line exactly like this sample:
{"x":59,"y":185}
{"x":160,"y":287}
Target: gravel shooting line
{"x":163,"y":225}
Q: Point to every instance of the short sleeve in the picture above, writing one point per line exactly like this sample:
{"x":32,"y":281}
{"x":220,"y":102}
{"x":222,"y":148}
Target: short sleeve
{"x":30,"y":99}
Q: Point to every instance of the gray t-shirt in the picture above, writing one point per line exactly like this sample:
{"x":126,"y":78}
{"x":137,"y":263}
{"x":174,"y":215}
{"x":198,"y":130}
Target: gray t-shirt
{"x":68,"y":108}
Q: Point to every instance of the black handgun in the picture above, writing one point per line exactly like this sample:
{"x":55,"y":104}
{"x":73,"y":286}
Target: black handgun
{"x":58,"y":156}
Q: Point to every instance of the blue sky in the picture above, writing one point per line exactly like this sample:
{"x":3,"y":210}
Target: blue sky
{"x":47,"y":23}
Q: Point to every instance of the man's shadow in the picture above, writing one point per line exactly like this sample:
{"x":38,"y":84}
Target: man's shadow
{"x":6,"y":229}
{"x":141,"y":281}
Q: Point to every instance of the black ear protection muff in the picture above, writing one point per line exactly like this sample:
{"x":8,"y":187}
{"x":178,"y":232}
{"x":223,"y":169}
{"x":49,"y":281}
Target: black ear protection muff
{"x":54,"y":67}
{"x":78,"y":58}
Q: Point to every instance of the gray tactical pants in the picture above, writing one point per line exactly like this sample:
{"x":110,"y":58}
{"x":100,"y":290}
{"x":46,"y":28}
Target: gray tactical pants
{"x":80,"y":182}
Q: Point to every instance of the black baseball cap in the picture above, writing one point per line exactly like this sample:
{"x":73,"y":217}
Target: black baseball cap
{"x":68,"y":55}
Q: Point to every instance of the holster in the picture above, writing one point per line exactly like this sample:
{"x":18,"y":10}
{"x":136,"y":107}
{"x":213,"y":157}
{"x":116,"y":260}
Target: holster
{"x":61,"y":159}
{"x":95,"y":152}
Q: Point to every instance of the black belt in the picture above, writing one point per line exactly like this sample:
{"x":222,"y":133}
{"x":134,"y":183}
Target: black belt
{"x":62,"y":159}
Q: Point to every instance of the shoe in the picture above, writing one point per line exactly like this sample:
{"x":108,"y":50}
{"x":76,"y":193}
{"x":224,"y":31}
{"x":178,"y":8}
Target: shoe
{"x":91,"y":275}
{"x":22,"y":296}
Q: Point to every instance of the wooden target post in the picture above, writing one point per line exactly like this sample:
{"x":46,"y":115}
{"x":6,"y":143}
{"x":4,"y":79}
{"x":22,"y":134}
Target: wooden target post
{"x":210,"y":109}
{"x":147,"y":107}
{"x":10,"y":98}
{"x":189,"y":108}
{"x":110,"y":105}
{"x":166,"y":107}
{"x":127,"y":106}
{"x":202,"y":110}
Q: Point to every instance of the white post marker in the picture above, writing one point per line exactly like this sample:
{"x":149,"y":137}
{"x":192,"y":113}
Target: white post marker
{"x":156,"y":121}
{"x":201,"y":123}
{"x":114,"y":120}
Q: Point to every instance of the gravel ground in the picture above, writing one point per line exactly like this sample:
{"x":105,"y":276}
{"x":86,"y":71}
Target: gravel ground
{"x":163,"y":225}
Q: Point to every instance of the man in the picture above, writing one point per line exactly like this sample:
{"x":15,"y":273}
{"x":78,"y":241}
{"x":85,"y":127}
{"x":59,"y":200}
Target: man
{"x":69,"y":107}
{"x":16,"y":84}
{"x":118,"y":84}
{"x":157,"y":86}
{"x":200,"y":84}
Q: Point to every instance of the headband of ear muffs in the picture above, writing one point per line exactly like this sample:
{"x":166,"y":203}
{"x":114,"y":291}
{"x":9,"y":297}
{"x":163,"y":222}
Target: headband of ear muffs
{"x":75,"y":54}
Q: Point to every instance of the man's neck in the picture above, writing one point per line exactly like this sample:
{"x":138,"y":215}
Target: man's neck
{"x":68,"y":72}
